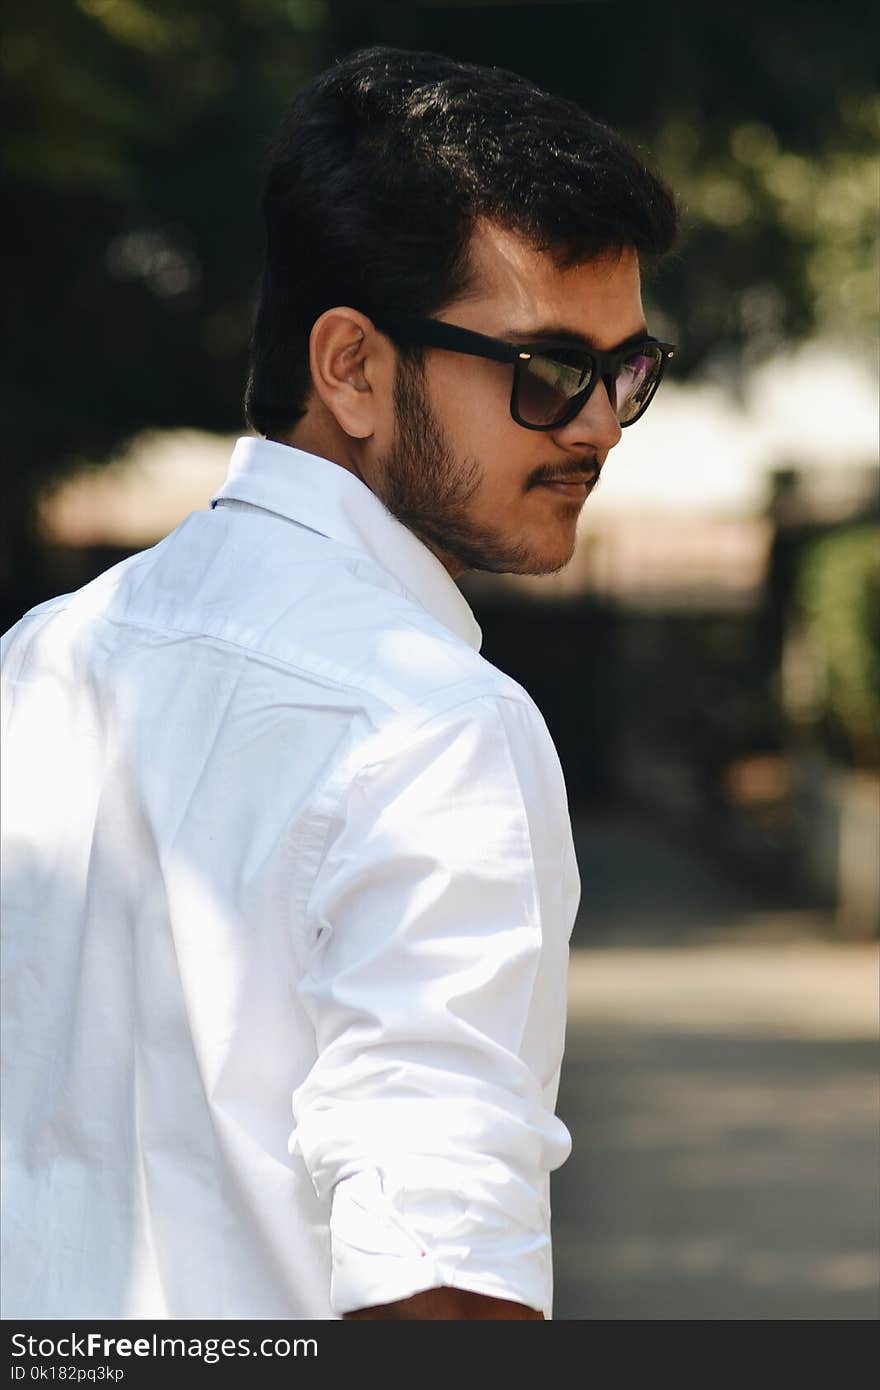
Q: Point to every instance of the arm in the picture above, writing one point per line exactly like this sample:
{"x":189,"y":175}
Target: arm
{"x":437,"y":993}
{"x":444,"y":1304}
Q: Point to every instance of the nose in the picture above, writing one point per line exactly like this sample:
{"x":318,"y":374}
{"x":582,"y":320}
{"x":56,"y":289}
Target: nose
{"x":595,"y":424}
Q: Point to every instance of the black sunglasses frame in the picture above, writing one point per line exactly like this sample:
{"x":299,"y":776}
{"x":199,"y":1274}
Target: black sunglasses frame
{"x":604,"y":366}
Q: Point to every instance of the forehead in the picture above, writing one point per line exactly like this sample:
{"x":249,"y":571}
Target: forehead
{"x":518,"y":286}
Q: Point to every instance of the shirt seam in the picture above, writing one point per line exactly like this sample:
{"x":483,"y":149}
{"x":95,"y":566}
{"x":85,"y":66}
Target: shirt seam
{"x":258,"y":653}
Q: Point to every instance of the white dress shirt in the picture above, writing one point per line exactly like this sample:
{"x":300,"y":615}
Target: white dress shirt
{"x":288,"y":881}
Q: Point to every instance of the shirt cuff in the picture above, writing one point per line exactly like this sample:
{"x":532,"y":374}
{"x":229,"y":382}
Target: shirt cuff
{"x":379,"y":1256}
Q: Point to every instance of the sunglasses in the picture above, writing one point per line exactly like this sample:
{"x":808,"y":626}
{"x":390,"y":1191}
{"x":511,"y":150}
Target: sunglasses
{"x":551,"y":383}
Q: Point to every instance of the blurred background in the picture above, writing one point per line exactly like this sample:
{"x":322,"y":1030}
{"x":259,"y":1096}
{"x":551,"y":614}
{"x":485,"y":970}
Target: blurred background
{"x":709,"y":663}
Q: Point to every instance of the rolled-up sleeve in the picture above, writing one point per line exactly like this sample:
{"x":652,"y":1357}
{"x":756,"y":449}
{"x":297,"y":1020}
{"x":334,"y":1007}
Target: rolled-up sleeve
{"x":436,"y":987}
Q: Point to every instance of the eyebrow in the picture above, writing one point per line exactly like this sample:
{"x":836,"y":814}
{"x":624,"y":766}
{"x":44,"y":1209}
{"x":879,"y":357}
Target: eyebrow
{"x":558,"y":333}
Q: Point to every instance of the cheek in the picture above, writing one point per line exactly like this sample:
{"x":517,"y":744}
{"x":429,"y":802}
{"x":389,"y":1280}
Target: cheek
{"x":472,"y":397}
{"x":473,"y":401}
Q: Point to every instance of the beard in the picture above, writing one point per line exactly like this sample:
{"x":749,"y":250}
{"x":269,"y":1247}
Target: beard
{"x":430,"y":490}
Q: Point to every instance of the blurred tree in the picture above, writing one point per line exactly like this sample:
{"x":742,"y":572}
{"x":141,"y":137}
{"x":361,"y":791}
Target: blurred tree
{"x":131,"y":145}
{"x":838,"y":611}
{"x":132,"y":136}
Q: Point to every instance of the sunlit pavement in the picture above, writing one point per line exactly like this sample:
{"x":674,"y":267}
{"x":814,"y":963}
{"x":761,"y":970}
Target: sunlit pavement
{"x":720,"y":1085}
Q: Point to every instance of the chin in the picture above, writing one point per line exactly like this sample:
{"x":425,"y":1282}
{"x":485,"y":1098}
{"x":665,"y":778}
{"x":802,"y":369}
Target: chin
{"x":554,"y":558}
{"x":492,"y":552}
{"x":549,"y":561}
{"x":548,"y":566}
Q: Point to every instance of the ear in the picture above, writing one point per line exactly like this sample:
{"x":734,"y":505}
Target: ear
{"x":350,"y":363}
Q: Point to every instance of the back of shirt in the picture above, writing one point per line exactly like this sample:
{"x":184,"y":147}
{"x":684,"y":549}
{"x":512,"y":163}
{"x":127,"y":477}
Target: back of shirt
{"x":218,"y":903}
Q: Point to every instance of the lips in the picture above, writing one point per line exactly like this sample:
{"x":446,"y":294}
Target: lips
{"x":573,"y":479}
{"x":575,"y":487}
{"x":575,"y":492}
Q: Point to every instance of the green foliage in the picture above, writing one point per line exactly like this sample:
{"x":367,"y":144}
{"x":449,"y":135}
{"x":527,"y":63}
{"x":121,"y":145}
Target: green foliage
{"x":131,"y":134}
{"x":838,"y":591}
{"x":132,"y":137}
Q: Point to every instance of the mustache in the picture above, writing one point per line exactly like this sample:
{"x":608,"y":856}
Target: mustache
{"x":586,"y":472}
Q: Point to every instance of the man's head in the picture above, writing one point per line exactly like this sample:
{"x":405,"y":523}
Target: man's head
{"x":409,"y":183}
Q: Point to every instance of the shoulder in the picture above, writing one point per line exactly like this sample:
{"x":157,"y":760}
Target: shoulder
{"x":478,"y":754}
{"x":314,"y":609}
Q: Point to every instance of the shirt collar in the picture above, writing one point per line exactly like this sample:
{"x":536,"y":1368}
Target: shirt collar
{"x":327,"y":498}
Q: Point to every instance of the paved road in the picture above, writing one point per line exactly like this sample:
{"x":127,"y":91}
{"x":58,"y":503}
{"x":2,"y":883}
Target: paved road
{"x":721,"y":1090}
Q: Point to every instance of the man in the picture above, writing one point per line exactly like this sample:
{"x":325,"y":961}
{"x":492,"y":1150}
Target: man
{"x":277,"y":836}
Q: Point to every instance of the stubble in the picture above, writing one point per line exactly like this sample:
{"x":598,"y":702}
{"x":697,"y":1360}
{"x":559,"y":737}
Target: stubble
{"x":431,"y":491}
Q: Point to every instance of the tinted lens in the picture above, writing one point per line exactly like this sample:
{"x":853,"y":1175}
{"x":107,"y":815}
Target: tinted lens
{"x":547,"y":384}
{"x":636,"y":383}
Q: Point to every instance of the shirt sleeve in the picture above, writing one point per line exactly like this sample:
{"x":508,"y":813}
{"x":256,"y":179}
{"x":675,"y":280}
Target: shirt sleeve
{"x":437,"y":990}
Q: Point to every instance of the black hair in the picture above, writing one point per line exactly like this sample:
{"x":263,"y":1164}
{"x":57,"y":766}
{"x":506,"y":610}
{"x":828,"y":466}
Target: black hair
{"x":374,"y":181}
